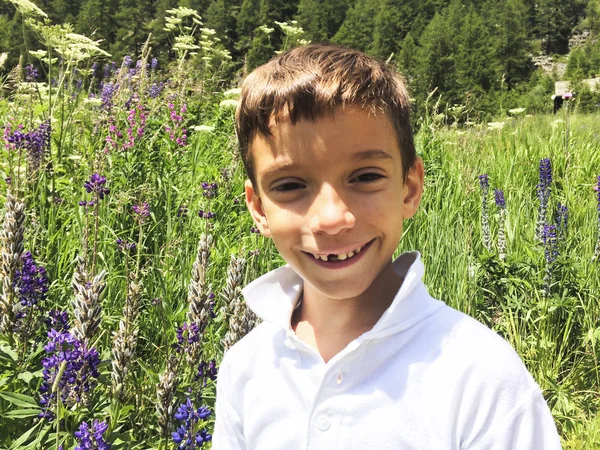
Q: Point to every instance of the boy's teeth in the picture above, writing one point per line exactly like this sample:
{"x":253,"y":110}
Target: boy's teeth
{"x":323,"y":257}
{"x":338,"y":257}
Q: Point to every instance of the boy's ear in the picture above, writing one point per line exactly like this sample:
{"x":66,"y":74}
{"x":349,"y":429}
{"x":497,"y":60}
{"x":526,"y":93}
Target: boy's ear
{"x":414,"y":188}
{"x":254,"y":204}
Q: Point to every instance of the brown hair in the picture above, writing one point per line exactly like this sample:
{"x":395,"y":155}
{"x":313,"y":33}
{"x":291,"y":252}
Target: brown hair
{"x":310,"y":81}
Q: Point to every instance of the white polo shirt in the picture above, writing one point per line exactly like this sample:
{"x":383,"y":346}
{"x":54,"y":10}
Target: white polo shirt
{"x":425,"y":377}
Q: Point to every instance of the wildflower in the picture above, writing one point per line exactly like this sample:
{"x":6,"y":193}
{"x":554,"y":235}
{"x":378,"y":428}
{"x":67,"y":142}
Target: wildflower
{"x":207,"y":371}
{"x":31,"y":286}
{"x":126,"y":336}
{"x":254,"y":230}
{"x":127,"y":61}
{"x":11,"y":248}
{"x":70,"y":370}
{"x":484,"y":186}
{"x":154,"y":64}
{"x":164,"y":392}
{"x":184,"y":436}
{"x":182,"y":211}
{"x":107,"y":92}
{"x":142,"y":211}
{"x":501,"y":204}
{"x":241,"y":319}
{"x":543,"y":193}
{"x":126,"y":246}
{"x":209,"y":190}
{"x":206,"y":214}
{"x":92,"y":438}
{"x":516,"y":111}
{"x":57,"y":320}
{"x":87,"y":305}
{"x":228,"y":103}
{"x":96,"y":185}
{"x":31,"y":73}
{"x":155,"y":89}
{"x":203,"y":128}
{"x":232,"y":92}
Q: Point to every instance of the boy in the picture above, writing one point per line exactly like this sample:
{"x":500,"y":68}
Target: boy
{"x":353,"y":353}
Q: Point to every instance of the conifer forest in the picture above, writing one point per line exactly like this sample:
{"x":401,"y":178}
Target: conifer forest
{"x":124,"y":235}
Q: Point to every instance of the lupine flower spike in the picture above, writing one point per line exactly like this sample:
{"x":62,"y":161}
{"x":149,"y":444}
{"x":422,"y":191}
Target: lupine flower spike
{"x":241,"y":318}
{"x":125,"y":338}
{"x":484,"y":185}
{"x":92,"y":438}
{"x":11,"y":248}
{"x":186,"y":435}
{"x":596,"y":256}
{"x":543,"y":192}
{"x":70,"y":371}
{"x":87,"y":305}
{"x":165,"y":392}
{"x":198,"y":312}
{"x":562,"y":221}
{"x":501,"y":204}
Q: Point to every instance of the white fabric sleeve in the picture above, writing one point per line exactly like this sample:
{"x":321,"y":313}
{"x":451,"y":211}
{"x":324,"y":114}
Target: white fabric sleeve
{"x":228,"y":432}
{"x":529,"y":426}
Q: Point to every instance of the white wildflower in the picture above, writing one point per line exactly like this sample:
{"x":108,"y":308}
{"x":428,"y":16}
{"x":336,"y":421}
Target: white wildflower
{"x":232,"y":92}
{"x":516,"y":111}
{"x":495,"y":125}
{"x":203,"y":128}
{"x":228,"y":103}
{"x":28,"y":8}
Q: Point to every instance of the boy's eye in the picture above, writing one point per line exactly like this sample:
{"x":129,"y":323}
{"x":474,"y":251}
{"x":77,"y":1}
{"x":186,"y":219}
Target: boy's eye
{"x":368,"y":177}
{"x":289,"y":186}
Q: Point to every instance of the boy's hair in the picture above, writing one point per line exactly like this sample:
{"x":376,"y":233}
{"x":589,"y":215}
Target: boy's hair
{"x":310,"y":81}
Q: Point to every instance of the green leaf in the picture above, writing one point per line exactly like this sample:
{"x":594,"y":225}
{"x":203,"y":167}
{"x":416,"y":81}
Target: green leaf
{"x":22,"y":413}
{"x":25,"y":401}
{"x":18,"y":444}
{"x":27,"y":376}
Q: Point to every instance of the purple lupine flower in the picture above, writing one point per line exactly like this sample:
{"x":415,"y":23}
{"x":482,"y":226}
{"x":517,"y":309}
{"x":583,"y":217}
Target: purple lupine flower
{"x":186,"y":335}
{"x":92,"y":438}
{"x":154,"y":64}
{"x":189,"y":416}
{"x":207,"y":371}
{"x":155,"y":89}
{"x":206,"y":214}
{"x":543,"y":193}
{"x":76,"y":365}
{"x":57,"y":320}
{"x":127,"y":61}
{"x":499,"y":198}
{"x":96,"y":185}
{"x":254,"y":230}
{"x":209,"y":190}
{"x":31,"y":73}
{"x":142,"y":211}
{"x":182,"y":211}
{"x":484,"y":185}
{"x":106,"y":94}
{"x":94,"y":69}
{"x":126,"y":246}
{"x":31,"y":286}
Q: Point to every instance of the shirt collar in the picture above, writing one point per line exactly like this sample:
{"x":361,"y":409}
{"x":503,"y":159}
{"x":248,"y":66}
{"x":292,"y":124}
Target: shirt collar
{"x":272,"y":297}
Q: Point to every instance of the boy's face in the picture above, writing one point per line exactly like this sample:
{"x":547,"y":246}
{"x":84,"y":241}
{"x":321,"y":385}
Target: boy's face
{"x":333,"y":187}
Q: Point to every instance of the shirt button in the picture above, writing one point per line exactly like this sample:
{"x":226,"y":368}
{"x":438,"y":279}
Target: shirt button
{"x":323,"y":423}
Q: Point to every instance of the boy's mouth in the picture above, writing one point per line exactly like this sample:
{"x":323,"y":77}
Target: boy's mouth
{"x":334,"y":257}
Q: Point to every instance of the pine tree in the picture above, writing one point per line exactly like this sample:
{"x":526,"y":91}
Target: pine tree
{"x":358,"y":28}
{"x":248,"y":20}
{"x":321,"y":19}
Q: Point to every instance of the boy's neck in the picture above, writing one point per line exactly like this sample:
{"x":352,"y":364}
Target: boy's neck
{"x":329,"y":325}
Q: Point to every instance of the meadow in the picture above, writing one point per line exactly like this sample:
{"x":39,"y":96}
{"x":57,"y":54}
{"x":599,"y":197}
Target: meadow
{"x":125,"y":242}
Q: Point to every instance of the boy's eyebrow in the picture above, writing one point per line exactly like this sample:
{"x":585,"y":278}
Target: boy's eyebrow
{"x":371,"y":154}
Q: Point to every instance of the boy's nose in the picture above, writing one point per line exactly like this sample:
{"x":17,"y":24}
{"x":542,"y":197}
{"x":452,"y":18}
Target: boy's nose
{"x":329,"y":212}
